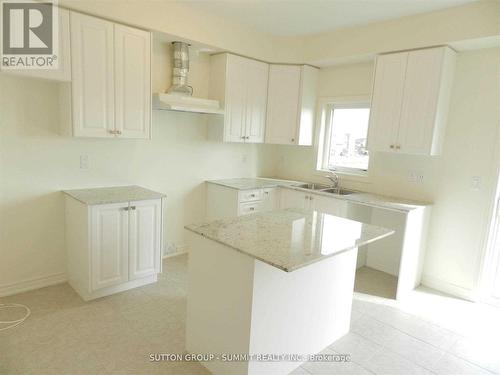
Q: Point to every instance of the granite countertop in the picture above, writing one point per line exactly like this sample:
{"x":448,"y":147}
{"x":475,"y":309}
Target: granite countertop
{"x":369,"y":199}
{"x":115,"y":194}
{"x":290,"y":239}
{"x":252,"y":183}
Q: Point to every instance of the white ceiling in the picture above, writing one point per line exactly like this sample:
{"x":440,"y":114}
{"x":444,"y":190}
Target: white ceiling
{"x":303,"y":17}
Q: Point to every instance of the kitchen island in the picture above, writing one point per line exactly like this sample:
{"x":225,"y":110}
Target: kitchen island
{"x":270,"y":284}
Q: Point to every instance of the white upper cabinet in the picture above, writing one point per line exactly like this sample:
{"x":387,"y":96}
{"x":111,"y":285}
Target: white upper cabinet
{"x":410,"y":101}
{"x":111,"y":86}
{"x":93,"y":93}
{"x":63,"y":71}
{"x":132,"y":82}
{"x":241,"y":84}
{"x":291,"y":104}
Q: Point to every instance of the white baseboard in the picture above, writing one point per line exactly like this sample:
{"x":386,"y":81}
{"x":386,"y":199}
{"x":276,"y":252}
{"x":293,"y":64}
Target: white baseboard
{"x":31,"y":284}
{"x":447,"y":287}
{"x":180,"y":250}
{"x":171,"y":255}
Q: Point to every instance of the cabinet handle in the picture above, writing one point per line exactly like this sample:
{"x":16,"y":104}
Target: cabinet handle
{"x":266,"y":192}
{"x":119,"y":132}
{"x":132,"y":208}
{"x":243,"y":137}
{"x":252,"y":208}
{"x":126,"y":208}
{"x":391,"y":146}
{"x":112,"y":131}
{"x":398,"y":147}
{"x":293,"y":139}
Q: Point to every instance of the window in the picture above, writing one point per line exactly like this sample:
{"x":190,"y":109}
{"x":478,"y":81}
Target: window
{"x":345,"y":133}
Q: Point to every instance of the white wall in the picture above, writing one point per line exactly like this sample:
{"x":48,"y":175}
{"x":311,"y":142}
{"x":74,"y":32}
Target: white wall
{"x":36,"y":163}
{"x":460,"y":214}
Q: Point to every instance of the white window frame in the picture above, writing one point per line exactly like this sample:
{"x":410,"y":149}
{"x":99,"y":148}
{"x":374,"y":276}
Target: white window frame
{"x":327,"y":107}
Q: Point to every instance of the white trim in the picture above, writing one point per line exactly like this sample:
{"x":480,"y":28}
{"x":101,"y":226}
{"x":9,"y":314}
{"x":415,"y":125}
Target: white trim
{"x":448,"y":288}
{"x":171,"y":255}
{"x":180,"y":250}
{"x":31,"y":284}
{"x":324,"y":111}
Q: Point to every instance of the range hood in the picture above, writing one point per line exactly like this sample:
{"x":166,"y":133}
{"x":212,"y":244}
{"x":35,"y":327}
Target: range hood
{"x":179,"y":96}
{"x":176,"y":102}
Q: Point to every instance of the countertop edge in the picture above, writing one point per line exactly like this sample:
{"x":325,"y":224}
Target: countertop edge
{"x":290,"y":269}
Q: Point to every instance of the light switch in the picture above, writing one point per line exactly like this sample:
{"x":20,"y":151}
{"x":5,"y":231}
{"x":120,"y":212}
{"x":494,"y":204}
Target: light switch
{"x":84,"y":162}
{"x":476,"y":183}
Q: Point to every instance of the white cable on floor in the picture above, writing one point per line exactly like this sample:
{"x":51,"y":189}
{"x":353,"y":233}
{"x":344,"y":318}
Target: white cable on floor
{"x":14,"y":323}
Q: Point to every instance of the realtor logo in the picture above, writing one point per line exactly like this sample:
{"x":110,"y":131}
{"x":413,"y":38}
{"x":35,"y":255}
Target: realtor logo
{"x":29,"y":35}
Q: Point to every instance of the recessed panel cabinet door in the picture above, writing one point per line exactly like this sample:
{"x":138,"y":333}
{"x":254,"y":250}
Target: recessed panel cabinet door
{"x":294,"y":199}
{"x":145,"y":238}
{"x":329,"y":205}
{"x":255,"y":124}
{"x":109,"y":245}
{"x":283,"y":104}
{"x":420,"y":100}
{"x":387,"y":99}
{"x":92,"y":76}
{"x":132,"y":82}
{"x":236,"y":93}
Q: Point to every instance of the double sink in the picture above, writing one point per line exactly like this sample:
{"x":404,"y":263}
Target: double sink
{"x":325,"y":189}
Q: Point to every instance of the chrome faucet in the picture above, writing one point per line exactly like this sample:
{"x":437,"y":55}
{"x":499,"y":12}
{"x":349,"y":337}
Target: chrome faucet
{"x":334,"y":178}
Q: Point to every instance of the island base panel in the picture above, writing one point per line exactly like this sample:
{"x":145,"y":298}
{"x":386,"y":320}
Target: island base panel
{"x":240,"y":305}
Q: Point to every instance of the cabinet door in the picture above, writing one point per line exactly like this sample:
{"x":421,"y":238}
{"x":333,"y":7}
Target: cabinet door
{"x":255,"y":121}
{"x":294,"y":199}
{"x":420,"y":100}
{"x":329,"y":205}
{"x":270,"y":199}
{"x":109,"y":245}
{"x":235,"y":99}
{"x":283,"y":104}
{"x":144,"y":238}
{"x":132,"y":82}
{"x":387,"y":99}
{"x":93,"y":76}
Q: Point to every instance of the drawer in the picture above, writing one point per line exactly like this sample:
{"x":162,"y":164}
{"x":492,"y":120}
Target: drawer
{"x":250,"y":195}
{"x":249,"y":208}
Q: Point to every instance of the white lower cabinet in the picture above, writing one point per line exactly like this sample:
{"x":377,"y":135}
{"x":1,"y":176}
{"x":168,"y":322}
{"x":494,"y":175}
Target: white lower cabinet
{"x":224,"y":202}
{"x":305,"y":200}
{"x":109,"y":245}
{"x":112,"y":247}
{"x":144,"y":239}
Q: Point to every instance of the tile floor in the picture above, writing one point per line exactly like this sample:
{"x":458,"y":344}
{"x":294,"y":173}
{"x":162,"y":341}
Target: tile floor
{"x":428,"y":334}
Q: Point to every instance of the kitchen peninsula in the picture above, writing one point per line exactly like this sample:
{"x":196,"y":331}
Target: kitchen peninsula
{"x":271,"y":283}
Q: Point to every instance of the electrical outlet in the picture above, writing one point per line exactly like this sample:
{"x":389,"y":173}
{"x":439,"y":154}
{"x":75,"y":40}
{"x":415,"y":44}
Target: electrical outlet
{"x":416,"y":177}
{"x":476,"y":183}
{"x":84,"y":162}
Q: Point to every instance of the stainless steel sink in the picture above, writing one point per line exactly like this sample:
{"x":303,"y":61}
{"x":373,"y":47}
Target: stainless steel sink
{"x":312,"y":186}
{"x":338,"y":191}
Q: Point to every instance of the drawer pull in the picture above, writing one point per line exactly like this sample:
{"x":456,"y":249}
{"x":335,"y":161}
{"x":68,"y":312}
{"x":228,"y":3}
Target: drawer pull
{"x":252,"y":208}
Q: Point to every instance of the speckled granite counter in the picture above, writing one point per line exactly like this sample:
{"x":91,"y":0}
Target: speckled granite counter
{"x":369,"y":199}
{"x":290,"y":239}
{"x":113,"y":194}
{"x":252,"y":183}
